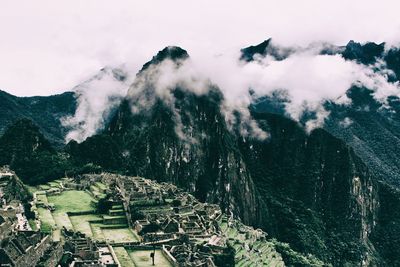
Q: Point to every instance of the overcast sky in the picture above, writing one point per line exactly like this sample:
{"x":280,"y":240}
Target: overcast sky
{"x":48,"y":47}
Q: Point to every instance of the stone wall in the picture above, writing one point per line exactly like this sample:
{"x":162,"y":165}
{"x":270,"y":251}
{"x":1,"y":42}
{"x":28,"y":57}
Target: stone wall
{"x":55,"y":256}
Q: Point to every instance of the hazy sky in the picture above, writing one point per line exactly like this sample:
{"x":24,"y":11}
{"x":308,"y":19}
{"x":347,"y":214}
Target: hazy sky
{"x":50,"y":46}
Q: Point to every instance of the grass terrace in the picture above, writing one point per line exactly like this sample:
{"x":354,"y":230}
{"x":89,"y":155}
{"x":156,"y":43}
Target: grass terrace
{"x":250,"y":252}
{"x":47,"y":220}
{"x":120,"y":235}
{"x":75,"y":210}
{"x":42,"y":197}
{"x":123,"y":257}
{"x":82,"y":223}
{"x":140,"y":258}
{"x":98,"y":190}
{"x":72,"y":201}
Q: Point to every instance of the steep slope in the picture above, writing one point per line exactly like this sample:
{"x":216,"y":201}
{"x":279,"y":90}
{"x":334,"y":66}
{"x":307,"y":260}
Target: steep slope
{"x":372,"y":130}
{"x":320,"y":196}
{"x":76,"y":114}
{"x":310,"y":190}
{"x":24,"y":148}
{"x":263,"y":49}
{"x":46,"y":112}
{"x":370,"y":127}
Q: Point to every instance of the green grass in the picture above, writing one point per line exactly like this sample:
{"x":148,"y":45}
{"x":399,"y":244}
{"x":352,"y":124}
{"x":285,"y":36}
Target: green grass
{"x":32,"y":189}
{"x":119,"y":235}
{"x":81,"y":223}
{"x":97,"y":190}
{"x":54,"y":184}
{"x":97,"y":231}
{"x":67,"y":201}
{"x":62,"y":219}
{"x":32,"y":224}
{"x":42,"y":198}
{"x":89,"y":224}
{"x":141,"y":258}
{"x":123,"y":257}
{"x":116,"y":212}
{"x":44,"y":187}
{"x":46,"y":219}
{"x":101,"y":186}
{"x":72,"y":201}
{"x":117,"y":207}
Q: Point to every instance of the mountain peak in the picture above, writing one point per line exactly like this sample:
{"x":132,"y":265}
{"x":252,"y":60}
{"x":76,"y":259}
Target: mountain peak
{"x":364,"y":53}
{"x":249,"y":52}
{"x":170,"y":52}
{"x":265,"y":48}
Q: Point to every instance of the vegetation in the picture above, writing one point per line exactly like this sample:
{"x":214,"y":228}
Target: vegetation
{"x":33,"y":158}
{"x":302,"y":188}
{"x":45,"y":112}
{"x":104,"y":205}
{"x":226,"y":259}
{"x":72,"y":201}
{"x":123,"y":257}
{"x":293,"y":258}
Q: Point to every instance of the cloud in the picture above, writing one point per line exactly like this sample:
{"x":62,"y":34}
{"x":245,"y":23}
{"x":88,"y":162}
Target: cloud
{"x":97,"y":98}
{"x":49,"y":47}
{"x":306,"y":79}
{"x":346,"y":122}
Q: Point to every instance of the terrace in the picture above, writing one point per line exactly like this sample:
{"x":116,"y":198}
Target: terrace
{"x":141,"y":257}
{"x":76,"y":210}
{"x":182,"y":230}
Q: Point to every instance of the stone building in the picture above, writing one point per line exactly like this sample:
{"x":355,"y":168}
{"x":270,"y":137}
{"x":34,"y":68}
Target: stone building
{"x":23,"y":249}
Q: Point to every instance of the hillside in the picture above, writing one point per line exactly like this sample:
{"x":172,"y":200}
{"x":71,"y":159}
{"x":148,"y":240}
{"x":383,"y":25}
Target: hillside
{"x":45,"y":112}
{"x":310,"y":190}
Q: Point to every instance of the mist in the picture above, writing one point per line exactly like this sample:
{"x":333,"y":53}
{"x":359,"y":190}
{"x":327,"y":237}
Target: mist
{"x":49,"y":47}
{"x":97,"y":98}
{"x":306,"y":80}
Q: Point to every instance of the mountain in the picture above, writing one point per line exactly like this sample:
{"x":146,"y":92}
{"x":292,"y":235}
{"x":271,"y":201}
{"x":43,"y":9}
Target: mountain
{"x":370,"y":127}
{"x":45,"y":111}
{"x":372,"y":130}
{"x":263,"y":49}
{"x":69,"y":114}
{"x":25,"y":149}
{"x":310,"y":190}
{"x":332,"y":192}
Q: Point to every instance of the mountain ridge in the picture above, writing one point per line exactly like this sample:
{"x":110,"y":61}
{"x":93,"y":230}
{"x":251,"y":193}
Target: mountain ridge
{"x":312,"y":190}
{"x":46,"y":112}
{"x":309,"y":190}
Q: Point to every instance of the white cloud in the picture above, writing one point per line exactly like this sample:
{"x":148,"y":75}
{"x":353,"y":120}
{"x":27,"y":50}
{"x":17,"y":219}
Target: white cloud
{"x":346,"y":122}
{"x":97,"y":98}
{"x":307,"y":78}
{"x":48,"y":47}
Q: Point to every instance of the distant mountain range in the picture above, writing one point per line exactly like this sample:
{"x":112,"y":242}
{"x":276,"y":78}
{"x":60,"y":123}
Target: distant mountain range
{"x":333,"y":192}
{"x":44,"y":111}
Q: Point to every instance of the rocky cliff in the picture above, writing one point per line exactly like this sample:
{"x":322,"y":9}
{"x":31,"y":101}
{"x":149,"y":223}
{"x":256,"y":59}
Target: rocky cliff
{"x":308,"y":189}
